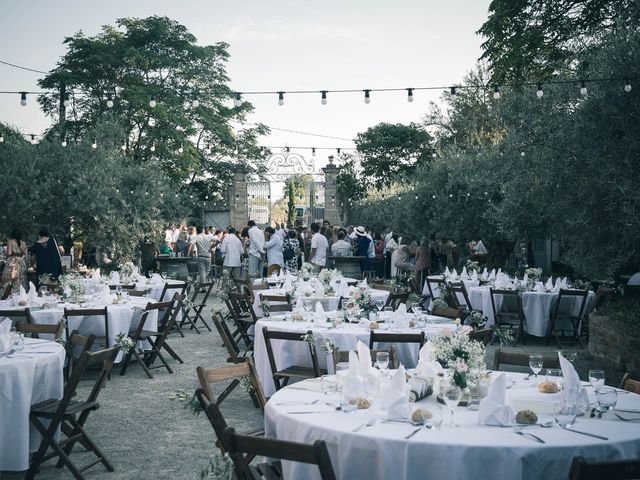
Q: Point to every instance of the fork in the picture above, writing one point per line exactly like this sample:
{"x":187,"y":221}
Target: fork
{"x":626,"y":419}
{"x":530,"y":435}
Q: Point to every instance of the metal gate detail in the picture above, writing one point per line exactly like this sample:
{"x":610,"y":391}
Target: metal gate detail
{"x":259,"y":202}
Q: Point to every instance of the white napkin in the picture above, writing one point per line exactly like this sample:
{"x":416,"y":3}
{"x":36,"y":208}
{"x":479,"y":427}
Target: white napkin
{"x":402,"y":318}
{"x":540,"y":287}
{"x":396,"y":397}
{"x":135,"y":277}
{"x":33,"y":293}
{"x":492,"y":275}
{"x":319,"y":317}
{"x":454,"y":275}
{"x":485,"y":272}
{"x":5,"y":335}
{"x":364,"y":284}
{"x":464,"y":275}
{"x":525,"y":279}
{"x":364,"y":359}
{"x":22,"y":297}
{"x":447,"y":272}
{"x":104,"y":295}
{"x":114,"y":278}
{"x":95,"y":276}
{"x":494,"y":409}
{"x":156,"y":279}
{"x":572,"y":382}
{"x":320,"y":290}
{"x":474,"y":276}
{"x":549,"y":285}
{"x":299,"y":304}
{"x":564,"y":283}
{"x":480,"y":248}
{"x":286,"y":286}
{"x":427,"y":364}
{"x":499,"y":271}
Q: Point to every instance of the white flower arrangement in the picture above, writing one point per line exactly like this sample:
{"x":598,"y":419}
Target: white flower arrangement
{"x":72,"y":286}
{"x":463,"y":357}
{"x":533,"y":274}
{"x":127,"y":269}
{"x":361,"y":297}
{"x":124,"y":342}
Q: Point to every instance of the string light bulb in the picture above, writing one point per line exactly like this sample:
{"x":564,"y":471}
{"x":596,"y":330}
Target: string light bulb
{"x":180,"y":150}
{"x":153,"y":147}
{"x":287,"y":149}
{"x":23,"y":99}
{"x":539,"y":91}
{"x":64,"y":142}
{"x":496,"y":92}
{"x":238,"y":101}
{"x":66,"y":102}
{"x":195,"y":103}
{"x":583,"y":88}
{"x":453,"y":91}
{"x":367,"y":96}
{"x":152,"y":103}
{"x":1,"y":137}
{"x":109,"y":103}
{"x":119,"y":91}
{"x":323,"y":98}
{"x":338,"y":151}
{"x":409,"y":95}
{"x":627,"y":86}
{"x":94,"y":145}
{"x":33,"y":139}
{"x":281,"y":98}
{"x":313,"y":151}
{"x":123,"y":147}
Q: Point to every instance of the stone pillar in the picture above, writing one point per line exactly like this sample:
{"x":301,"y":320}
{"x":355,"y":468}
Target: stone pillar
{"x":238,"y":206}
{"x":330,"y":192}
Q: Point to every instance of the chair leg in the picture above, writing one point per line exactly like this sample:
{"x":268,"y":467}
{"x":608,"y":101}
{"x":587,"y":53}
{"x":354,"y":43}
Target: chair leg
{"x":125,"y":362}
{"x":171,"y":352}
{"x":142,"y":364}
{"x":93,"y":447}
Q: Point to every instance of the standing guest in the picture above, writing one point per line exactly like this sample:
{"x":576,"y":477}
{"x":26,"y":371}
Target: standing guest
{"x":148,"y":252}
{"x":378,"y":262}
{"x":403,"y":259}
{"x":342,"y":248}
{"x":362,"y":243}
{"x":46,"y":255}
{"x":319,"y":245}
{"x":176,"y":233}
{"x":202,"y":243}
{"x":15,"y":269}
{"x":168,"y":235}
{"x":291,"y":251}
{"x":371,"y":253}
{"x":326,"y":224}
{"x":392,"y":253}
{"x":329,"y":234}
{"x":423,"y":262}
{"x":232,"y":250}
{"x":256,"y":249}
{"x":449,"y":251}
{"x":273,"y":247}
{"x":351,"y":233}
{"x":182,"y":246}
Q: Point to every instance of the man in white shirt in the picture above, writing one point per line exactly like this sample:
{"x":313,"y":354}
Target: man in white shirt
{"x":256,"y":249}
{"x":168,"y":237}
{"x":341,"y":248}
{"x":232,"y":250}
{"x":351,"y":233}
{"x":202,"y":242}
{"x":273,"y":246}
{"x":319,"y":246}
{"x":371,"y":251}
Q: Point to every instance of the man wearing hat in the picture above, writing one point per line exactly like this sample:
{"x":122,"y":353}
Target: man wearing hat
{"x":362,"y":243}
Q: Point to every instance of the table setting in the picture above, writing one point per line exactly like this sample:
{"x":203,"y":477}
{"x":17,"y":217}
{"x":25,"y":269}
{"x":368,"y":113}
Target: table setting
{"x":406,"y":428}
{"x":128,"y":276}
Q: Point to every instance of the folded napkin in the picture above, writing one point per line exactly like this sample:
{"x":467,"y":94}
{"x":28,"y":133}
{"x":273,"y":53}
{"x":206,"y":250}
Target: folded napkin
{"x":540,"y":287}
{"x":95,"y":276}
{"x":286,"y":286}
{"x":454,"y":275}
{"x":320,"y":290}
{"x":135,"y":277}
{"x":104,"y":295}
{"x":364,"y":284}
{"x":156,"y":279}
{"x":427,"y":363}
{"x":525,"y":279}
{"x":22,"y":296}
{"x":485,"y":272}
{"x":447,"y":272}
{"x":464,"y":275}
{"x":549,"y":285}
{"x":474,"y":276}
{"x":5,"y":335}
{"x":492,"y":275}
{"x":480,"y":248}
{"x":396,"y":397}
{"x":402,"y":318}
{"x":364,"y":359}
{"x":319,"y":318}
{"x":499,"y":271}
{"x":494,"y":409}
{"x":564,"y":283}
{"x":33,"y":293}
{"x":114,"y":278}
{"x":573,"y":391}
{"x":557,"y":285}
{"x":299,"y":304}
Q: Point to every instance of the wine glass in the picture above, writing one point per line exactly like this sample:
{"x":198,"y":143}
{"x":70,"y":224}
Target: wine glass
{"x":163,"y":275}
{"x":379,"y":304}
{"x":451,"y":396}
{"x":606,"y":398}
{"x":535,"y":363}
{"x":596,"y":378}
{"x":382,"y":362}
{"x":119,"y":290}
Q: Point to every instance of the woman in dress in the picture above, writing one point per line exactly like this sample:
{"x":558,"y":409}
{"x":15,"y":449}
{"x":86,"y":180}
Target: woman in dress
{"x":46,"y":254}
{"x":291,"y":251}
{"x":423,"y":262}
{"x":15,"y":269}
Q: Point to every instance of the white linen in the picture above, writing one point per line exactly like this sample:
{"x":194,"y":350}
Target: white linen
{"x":364,"y":359}
{"x":114,"y":278}
{"x":572,"y":385}
{"x":427,"y":363}
{"x":5,"y":335}
{"x":494,"y":409}
{"x":32,"y":296}
{"x":25,"y":381}
{"x":396,"y":397}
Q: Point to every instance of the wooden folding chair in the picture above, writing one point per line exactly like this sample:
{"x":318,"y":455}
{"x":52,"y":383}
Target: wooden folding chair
{"x":34,"y":330}
{"x":236,"y":354}
{"x":342,"y":356}
{"x":74,"y":348}
{"x":395,"y":299}
{"x":168,"y":292}
{"x":510,"y":315}
{"x":616,"y":470}
{"x":384,"y":337}
{"x":241,"y":309}
{"x":631,"y":382}
{"x":276,"y":303}
{"x":602,"y":297}
{"x":207,"y":376}
{"x":485,"y":336}
{"x":242,"y":448}
{"x":433,"y":281}
{"x":18,"y":316}
{"x":520,"y":359}
{"x":455,"y":291}
{"x":293,"y":371}
{"x":452,"y":313}
{"x":70,"y":416}
{"x":6,"y":293}
{"x":561,"y":313}
{"x":90,"y":312}
{"x":193,"y":312}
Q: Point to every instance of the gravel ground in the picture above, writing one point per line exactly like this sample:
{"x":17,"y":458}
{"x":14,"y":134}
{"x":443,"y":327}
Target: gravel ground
{"x":146,"y":435}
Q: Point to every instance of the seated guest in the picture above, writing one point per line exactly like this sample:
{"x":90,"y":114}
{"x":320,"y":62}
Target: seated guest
{"x":341,"y":248}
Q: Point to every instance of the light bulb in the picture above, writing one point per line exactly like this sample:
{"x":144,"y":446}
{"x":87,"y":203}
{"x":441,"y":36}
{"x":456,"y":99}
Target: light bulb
{"x":195,"y":103}
{"x":66,"y":101}
{"x":33,"y":139}
{"x":1,"y":138}
{"x":152,"y":103}
{"x":109,"y":103}
{"x":522,"y":154}
{"x":94,"y":145}
{"x":367,"y":96}
{"x":153,"y":147}
{"x":313,"y":151}
{"x":338,"y":151}
{"x":280,"y":98}
{"x":409,"y":95}
{"x":180,"y":150}
{"x":23,"y":99}
{"x":238,"y":101}
{"x":119,"y":91}
{"x":152,"y":122}
{"x":496,"y":92}
{"x":627,"y":87}
{"x":64,"y":143}
{"x":583,"y":88}
{"x":123,"y":147}
{"x":539,"y":92}
{"x":323,"y":99}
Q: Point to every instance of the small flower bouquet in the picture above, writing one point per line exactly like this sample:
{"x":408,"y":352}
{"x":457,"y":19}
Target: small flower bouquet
{"x":71,"y":286}
{"x":124,"y":342}
{"x":473,"y":266}
{"x":362,"y":299}
{"x":126,"y":270}
{"x":463,"y":357}
{"x":477,"y":319}
{"x":533,"y":274}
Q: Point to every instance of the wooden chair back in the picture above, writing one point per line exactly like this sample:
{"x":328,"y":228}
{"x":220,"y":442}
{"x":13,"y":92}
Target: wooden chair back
{"x":90,"y":312}
{"x":616,"y":470}
{"x":521,"y":359}
{"x":6,"y":293}
{"x":395,"y":299}
{"x":383,"y":286}
{"x":37,"y":329}
{"x":19,"y":315}
{"x":380,"y":337}
{"x":342,"y":356}
{"x":242,"y":447}
{"x":75,"y":347}
{"x":484,"y":336}
{"x":281,"y":303}
{"x":207,"y":376}
{"x":456,"y":290}
{"x":631,"y":382}
{"x":165,"y":309}
{"x":446,"y":312}
{"x":170,"y":289}
{"x":433,"y":282}
{"x":228,"y":340}
{"x":270,"y":335}
{"x":602,"y":296}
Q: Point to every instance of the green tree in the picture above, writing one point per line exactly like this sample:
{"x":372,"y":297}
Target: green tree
{"x":291,"y":203}
{"x":156,"y":59}
{"x":393,"y":152}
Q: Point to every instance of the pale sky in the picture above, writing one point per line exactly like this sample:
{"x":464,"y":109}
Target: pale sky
{"x":276,"y":45}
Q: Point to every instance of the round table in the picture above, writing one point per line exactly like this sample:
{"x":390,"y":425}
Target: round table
{"x":469,"y":452}
{"x":344,"y":338}
{"x":33,"y":375}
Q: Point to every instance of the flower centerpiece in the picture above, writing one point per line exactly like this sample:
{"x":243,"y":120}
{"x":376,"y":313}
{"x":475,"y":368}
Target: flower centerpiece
{"x":72,"y":286}
{"x":362,"y":299}
{"x":473,"y":266}
{"x":305,"y":270}
{"x":461,"y":356}
{"x":477,"y":319}
{"x":126,"y":270}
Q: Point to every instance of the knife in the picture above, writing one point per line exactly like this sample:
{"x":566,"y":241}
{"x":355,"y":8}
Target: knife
{"x":585,"y":433}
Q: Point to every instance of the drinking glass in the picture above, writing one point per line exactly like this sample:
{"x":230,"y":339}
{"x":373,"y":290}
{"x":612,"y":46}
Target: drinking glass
{"x":606,"y":398}
{"x":535,"y":363}
{"x":435,"y":422}
{"x":346,"y":405}
{"x":328,"y":384}
{"x":163,"y":275}
{"x":410,"y":306}
{"x":119,"y":290}
{"x":451,"y":396}
{"x":564,"y":415}
{"x":18,"y":342}
{"x":379,"y":305}
{"x":596,"y":377}
{"x":382,"y":362}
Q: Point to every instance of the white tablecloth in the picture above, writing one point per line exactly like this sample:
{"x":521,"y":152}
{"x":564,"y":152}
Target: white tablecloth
{"x":469,"y":452}
{"x":154,"y":290}
{"x":345,"y":338}
{"x":23,"y":382}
